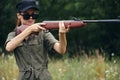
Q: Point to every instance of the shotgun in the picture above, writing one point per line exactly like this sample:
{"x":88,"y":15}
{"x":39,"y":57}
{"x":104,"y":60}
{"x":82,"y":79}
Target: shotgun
{"x":71,"y":23}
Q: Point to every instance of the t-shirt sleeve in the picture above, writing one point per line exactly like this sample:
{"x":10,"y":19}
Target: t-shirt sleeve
{"x":50,"y":40}
{"x":10,"y":36}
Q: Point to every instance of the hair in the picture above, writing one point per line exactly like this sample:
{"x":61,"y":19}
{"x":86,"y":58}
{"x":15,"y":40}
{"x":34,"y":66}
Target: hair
{"x":18,"y":22}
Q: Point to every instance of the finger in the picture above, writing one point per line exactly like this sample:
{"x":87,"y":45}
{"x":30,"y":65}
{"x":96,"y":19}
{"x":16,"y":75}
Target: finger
{"x":42,"y":28}
{"x":41,"y":24}
{"x":59,"y":24}
{"x":62,"y":23}
{"x":68,"y":28}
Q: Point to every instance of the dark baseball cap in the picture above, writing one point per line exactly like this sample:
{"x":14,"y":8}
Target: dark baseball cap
{"x":24,"y":5}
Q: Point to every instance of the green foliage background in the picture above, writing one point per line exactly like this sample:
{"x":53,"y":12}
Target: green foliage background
{"x":105,"y":36}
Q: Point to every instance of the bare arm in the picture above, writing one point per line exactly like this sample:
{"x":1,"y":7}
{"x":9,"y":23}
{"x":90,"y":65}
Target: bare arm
{"x":60,"y":47}
{"x":12,"y":44}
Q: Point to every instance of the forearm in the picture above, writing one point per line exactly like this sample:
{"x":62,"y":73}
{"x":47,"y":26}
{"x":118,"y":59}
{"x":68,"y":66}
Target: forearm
{"x":12,"y":44}
{"x":62,"y":43}
{"x":61,"y":46}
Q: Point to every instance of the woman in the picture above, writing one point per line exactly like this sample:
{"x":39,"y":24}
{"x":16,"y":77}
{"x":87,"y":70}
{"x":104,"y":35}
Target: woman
{"x":32,"y":44}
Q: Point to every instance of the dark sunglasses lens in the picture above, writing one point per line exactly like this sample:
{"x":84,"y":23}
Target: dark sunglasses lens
{"x":35,"y":16}
{"x":26,"y":16}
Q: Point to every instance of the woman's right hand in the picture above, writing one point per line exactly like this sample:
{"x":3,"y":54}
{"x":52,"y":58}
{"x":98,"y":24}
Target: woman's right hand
{"x":37,"y":27}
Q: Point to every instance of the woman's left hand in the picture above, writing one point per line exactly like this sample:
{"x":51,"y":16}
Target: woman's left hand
{"x":62,"y":28}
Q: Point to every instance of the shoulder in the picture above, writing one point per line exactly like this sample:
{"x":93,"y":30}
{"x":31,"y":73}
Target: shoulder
{"x":12,"y":33}
{"x":45,"y":33}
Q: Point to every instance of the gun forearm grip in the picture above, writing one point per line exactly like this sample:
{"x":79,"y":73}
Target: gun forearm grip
{"x":70,"y":23}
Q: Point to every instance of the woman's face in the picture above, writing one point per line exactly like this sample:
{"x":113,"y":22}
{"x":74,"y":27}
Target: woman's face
{"x":28,"y":17}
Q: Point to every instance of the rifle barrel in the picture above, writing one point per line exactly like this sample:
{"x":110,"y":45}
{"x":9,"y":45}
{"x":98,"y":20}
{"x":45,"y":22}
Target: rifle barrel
{"x":102,"y":21}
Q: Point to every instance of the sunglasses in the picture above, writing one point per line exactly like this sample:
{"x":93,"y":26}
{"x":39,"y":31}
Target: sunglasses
{"x":27,"y":16}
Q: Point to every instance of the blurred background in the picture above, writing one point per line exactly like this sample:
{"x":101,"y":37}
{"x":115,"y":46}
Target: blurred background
{"x":93,"y":51}
{"x":101,"y":36}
